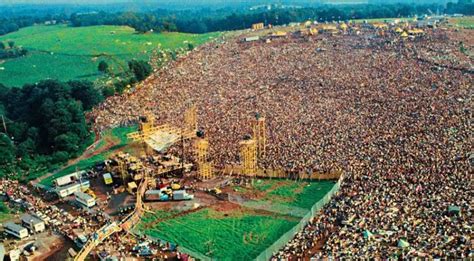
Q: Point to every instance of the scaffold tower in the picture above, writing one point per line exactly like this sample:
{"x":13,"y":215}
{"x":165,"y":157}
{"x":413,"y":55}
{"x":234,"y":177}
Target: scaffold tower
{"x":190,"y":118}
{"x":204,"y":166}
{"x":248,"y":157}
{"x":259,"y":133}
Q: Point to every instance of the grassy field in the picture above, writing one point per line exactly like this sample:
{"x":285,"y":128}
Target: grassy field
{"x":65,"y":53}
{"x":300,"y":194}
{"x":383,"y":20}
{"x":112,"y":140}
{"x":239,"y":233}
{"x":464,"y":22}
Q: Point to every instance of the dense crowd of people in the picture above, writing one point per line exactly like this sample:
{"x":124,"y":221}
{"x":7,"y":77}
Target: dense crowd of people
{"x":394,"y":114}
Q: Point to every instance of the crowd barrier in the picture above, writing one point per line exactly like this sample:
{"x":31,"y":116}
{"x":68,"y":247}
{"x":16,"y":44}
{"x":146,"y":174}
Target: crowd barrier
{"x":282,"y":174}
{"x":288,"y":236}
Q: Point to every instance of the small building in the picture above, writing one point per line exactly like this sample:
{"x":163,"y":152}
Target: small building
{"x":258,"y":26}
{"x":252,"y":39}
{"x":84,"y":199}
{"x":32,"y":223}
{"x":16,"y":230}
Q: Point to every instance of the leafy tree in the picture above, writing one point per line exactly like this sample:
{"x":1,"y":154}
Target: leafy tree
{"x":108,"y":91}
{"x":87,"y":93}
{"x":2,"y":46}
{"x":11,"y":44}
{"x":190,"y":46}
{"x":140,"y":69}
{"x":103,"y":67}
{"x":8,"y":150}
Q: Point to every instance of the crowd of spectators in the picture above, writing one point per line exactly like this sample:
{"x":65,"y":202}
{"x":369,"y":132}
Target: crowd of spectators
{"x":393,"y":113}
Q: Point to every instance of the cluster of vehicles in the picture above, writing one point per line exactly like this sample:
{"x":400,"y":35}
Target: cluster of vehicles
{"x":168,"y":192}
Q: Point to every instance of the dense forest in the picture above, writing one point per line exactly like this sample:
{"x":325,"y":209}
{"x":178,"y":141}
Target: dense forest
{"x":221,"y":20}
{"x":210,"y":20}
{"x":44,"y":125}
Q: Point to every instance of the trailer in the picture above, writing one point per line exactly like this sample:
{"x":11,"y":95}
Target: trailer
{"x":71,"y":188}
{"x":68,"y":179}
{"x":156,"y":195}
{"x":84,"y":199}
{"x":182,"y":195}
{"x":34,"y":224}
{"x":16,"y":230}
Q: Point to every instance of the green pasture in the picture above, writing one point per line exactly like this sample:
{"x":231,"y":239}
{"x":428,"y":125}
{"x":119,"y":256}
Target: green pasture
{"x":119,"y":138}
{"x":464,"y":22}
{"x":240,"y":234}
{"x":67,"y":53}
{"x":300,"y":194}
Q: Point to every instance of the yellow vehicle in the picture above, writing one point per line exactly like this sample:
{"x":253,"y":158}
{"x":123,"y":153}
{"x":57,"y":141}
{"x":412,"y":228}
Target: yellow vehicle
{"x":175,"y":186}
{"x":90,"y":193}
{"x":132,"y":188}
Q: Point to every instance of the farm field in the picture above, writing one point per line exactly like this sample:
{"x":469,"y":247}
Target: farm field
{"x":236,"y":229}
{"x":67,"y":53}
{"x":112,"y":140}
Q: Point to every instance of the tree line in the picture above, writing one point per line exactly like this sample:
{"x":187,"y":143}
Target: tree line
{"x":209,"y":20}
{"x":203,"y":21}
{"x":43,"y":124}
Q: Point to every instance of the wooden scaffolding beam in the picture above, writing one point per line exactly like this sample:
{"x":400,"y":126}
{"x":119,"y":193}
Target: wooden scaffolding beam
{"x":259,"y":133}
{"x":205,"y":169}
{"x":248,"y":157}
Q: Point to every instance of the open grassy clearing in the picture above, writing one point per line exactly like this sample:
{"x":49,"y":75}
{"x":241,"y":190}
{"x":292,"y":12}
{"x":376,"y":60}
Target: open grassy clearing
{"x":238,"y":234}
{"x":464,"y":22}
{"x":66,"y":53}
{"x":111,"y":141}
{"x":300,"y":194}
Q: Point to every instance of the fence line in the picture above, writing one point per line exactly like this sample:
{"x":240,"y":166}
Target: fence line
{"x":282,"y":241}
{"x":285,"y":238}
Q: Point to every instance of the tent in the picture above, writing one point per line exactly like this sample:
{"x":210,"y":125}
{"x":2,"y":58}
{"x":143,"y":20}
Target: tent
{"x":454,"y":209}
{"x":403,"y":244}
{"x":367,"y":234}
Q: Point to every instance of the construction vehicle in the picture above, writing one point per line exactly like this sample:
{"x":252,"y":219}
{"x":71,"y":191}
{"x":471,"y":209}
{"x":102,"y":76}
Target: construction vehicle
{"x":216,"y":192}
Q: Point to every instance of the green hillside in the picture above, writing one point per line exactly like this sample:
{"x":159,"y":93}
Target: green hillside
{"x":65,"y":53}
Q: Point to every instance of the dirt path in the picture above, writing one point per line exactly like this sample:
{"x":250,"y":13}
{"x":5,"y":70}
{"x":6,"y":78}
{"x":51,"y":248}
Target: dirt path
{"x":88,"y":153}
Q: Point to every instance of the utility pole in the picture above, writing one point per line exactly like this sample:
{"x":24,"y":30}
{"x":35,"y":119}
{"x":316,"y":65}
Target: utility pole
{"x":4,"y":125}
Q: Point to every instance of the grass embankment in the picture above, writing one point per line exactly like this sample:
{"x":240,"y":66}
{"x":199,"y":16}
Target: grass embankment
{"x":111,"y":141}
{"x":73,"y":53}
